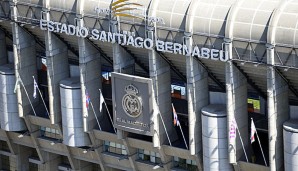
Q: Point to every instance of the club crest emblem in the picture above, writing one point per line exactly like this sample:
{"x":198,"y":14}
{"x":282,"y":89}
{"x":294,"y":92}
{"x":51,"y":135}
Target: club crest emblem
{"x":131,"y":103}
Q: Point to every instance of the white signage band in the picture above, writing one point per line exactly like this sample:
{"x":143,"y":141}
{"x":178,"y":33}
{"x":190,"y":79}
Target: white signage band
{"x":138,"y":42}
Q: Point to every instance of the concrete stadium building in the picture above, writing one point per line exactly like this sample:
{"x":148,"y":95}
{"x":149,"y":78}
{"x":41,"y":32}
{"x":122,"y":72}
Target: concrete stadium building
{"x":111,"y":75}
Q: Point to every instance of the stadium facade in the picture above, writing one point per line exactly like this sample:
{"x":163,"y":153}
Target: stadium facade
{"x":148,"y":84}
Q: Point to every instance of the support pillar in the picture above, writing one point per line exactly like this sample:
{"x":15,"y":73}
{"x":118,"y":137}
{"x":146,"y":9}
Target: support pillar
{"x":90,"y":76}
{"x":25,"y":63}
{"x":236,"y":88}
{"x":25,"y":67}
{"x":3,"y":54}
{"x":161,"y":78}
{"x":13,"y":163}
{"x":57,"y":70}
{"x":83,"y":166}
{"x":22,"y":158}
{"x":123,"y":63}
{"x":197,"y":98}
{"x":131,"y":152}
{"x":278,"y":112}
{"x":97,"y":143}
{"x":51,"y":161}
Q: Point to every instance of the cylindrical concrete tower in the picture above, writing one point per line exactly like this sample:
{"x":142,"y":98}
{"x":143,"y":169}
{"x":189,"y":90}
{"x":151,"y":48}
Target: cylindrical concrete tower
{"x":72,"y":119}
{"x":9,"y":115}
{"x":215,"y":139}
{"x":290,"y":133}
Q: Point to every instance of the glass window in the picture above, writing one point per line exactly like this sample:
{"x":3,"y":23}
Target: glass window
{"x":149,"y":156}
{"x":157,"y":155}
{"x":107,"y":143}
{"x":42,"y":128}
{"x":141,"y":154}
{"x":186,"y":164}
{"x":112,"y":144}
{"x":113,"y":147}
{"x":152,"y":159}
{"x":124,"y":152}
{"x":49,"y":132}
{"x":253,"y":104}
{"x":146,"y":152}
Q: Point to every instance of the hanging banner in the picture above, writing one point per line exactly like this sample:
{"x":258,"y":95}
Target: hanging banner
{"x":132,"y":102}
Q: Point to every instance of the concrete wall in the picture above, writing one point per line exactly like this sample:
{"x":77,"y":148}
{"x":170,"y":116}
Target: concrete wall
{"x":3,"y":50}
{"x":294,"y":112}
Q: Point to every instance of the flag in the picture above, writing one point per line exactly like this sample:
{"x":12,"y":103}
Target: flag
{"x":233,"y":127}
{"x":176,"y":121}
{"x":101,"y":100}
{"x":16,"y":85}
{"x":35,"y":86}
{"x":87,"y":99}
{"x":253,"y":130}
{"x":44,"y":64}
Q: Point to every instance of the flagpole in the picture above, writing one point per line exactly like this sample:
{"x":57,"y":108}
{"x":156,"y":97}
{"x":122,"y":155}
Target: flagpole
{"x":178,"y":123}
{"x":159,"y":113}
{"x":260,"y":145}
{"x":42,"y":98}
{"x":164,"y":127}
{"x":107,"y":110}
{"x":95,"y":115}
{"x":183,"y":136}
{"x":27,"y":95}
{"x":241,"y":141}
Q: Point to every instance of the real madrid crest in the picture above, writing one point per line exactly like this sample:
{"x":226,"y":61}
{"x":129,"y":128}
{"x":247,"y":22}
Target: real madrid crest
{"x":131,"y":103}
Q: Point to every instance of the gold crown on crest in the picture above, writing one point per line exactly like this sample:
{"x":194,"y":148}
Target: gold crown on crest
{"x":130,"y":89}
{"x":123,"y":8}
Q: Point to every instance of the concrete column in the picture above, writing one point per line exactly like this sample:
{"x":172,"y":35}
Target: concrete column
{"x":262,"y":106}
{"x":278,"y":112}
{"x":236,"y":88}
{"x":25,"y":66}
{"x":90,"y":75}
{"x":97,"y":143}
{"x":123,"y":62}
{"x":131,"y":152}
{"x":112,"y":169}
{"x":83,"y":166}
{"x":57,"y":70}
{"x":51,"y":161}
{"x":13,"y":163}
{"x":160,"y":74}
{"x":161,"y":78}
{"x":3,"y":51}
{"x":197,"y":97}
{"x":22,"y":157}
